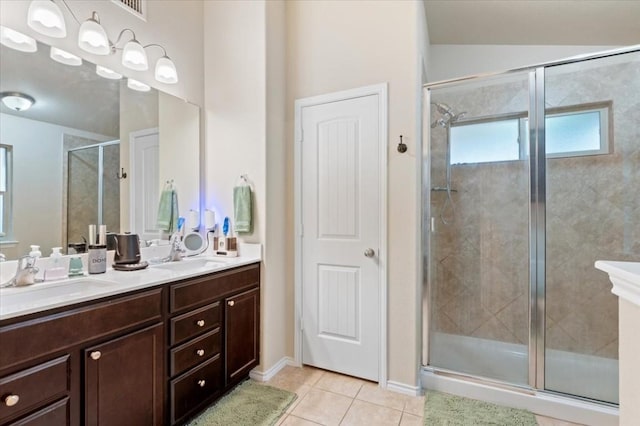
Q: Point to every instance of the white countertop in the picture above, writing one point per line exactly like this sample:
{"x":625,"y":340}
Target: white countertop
{"x":625,"y":277}
{"x":17,"y":301}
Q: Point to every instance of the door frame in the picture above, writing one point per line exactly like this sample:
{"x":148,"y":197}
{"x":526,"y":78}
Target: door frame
{"x":381,"y":91}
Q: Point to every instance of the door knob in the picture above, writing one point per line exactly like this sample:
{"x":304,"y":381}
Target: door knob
{"x":369,"y":252}
{"x":95,"y":355}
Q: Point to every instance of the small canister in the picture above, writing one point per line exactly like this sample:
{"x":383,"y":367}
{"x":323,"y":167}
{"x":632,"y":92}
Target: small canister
{"x":97,"y":259}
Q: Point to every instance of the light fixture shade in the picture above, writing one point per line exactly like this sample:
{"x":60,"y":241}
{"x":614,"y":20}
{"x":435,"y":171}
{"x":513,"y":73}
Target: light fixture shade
{"x":134,"y":57}
{"x":64,"y":57}
{"x":45,"y":17}
{"x":107,"y":73}
{"x":137,"y":85}
{"x":17,"y":101}
{"x":92,"y":37}
{"x":166,"y":71}
{"x":16,"y":40}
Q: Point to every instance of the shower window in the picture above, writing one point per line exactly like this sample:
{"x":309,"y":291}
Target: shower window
{"x":570,"y":132}
{"x":5,"y":191}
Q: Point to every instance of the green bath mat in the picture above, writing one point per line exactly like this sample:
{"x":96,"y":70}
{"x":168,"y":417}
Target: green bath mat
{"x":442,"y":409}
{"x":248,"y":404}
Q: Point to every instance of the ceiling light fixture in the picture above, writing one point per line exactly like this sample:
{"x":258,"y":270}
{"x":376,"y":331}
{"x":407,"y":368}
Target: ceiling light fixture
{"x":17,"y":101}
{"x":64,"y":57}
{"x":16,"y":40}
{"x":45,"y":17}
{"x":137,"y":85}
{"x":107,"y":73}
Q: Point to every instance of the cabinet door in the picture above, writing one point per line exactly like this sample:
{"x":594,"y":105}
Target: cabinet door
{"x":242,"y":334}
{"x":124,"y":380}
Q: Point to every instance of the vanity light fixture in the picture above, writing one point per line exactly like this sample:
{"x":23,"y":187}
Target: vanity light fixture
{"x":165,"y":71}
{"x":92,"y":37}
{"x":16,"y":40}
{"x":45,"y":17}
{"x":133,"y":55}
{"x":137,"y":85}
{"x":107,"y":73}
{"x":17,"y":101}
{"x":64,"y":57}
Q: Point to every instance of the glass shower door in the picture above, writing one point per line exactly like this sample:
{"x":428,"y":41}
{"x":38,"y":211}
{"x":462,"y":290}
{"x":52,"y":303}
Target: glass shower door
{"x":479,"y":228}
{"x":592,"y":212}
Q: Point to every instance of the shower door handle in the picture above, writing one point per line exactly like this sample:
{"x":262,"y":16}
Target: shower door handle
{"x":369,"y":252}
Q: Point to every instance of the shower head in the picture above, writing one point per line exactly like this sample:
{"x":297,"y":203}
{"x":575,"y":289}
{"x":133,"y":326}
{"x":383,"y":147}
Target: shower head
{"x":448,"y":115}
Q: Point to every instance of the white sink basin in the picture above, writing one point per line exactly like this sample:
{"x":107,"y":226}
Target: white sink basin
{"x":192,"y":264}
{"x":49,"y":292}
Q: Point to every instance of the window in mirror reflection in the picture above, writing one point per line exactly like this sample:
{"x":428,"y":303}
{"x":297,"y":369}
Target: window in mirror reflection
{"x":5,"y":192}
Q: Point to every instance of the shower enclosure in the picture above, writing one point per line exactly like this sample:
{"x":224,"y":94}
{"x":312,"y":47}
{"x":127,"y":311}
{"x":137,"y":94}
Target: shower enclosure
{"x":93,"y":189}
{"x":529,"y":177}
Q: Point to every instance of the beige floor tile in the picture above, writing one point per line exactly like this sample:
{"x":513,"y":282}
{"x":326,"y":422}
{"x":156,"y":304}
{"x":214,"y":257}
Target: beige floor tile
{"x":338,"y":383}
{"x":410,"y":420}
{"x":322,"y":407}
{"x":304,"y":375}
{"x":363,"y":413}
{"x":549,"y":421}
{"x":297,"y":421}
{"x":415,"y":405}
{"x":371,"y":392}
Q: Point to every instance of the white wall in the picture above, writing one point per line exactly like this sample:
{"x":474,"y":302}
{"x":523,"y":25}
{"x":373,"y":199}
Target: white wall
{"x":37,"y":181}
{"x":174,"y":24}
{"x":455,"y":60}
{"x":629,"y":367}
{"x":180,"y":150}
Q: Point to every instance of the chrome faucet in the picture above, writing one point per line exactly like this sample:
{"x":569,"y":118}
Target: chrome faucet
{"x":176,"y":248}
{"x":25,"y":274}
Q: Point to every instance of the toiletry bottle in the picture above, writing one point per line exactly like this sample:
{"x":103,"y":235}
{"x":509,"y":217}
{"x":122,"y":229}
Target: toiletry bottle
{"x":75,"y":266}
{"x":97,"y":253}
{"x":56,"y":269}
{"x":35,"y":251}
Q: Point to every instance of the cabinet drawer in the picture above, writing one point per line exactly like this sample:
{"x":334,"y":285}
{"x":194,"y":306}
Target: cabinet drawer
{"x":196,"y":322}
{"x":56,"y":414}
{"x":194,"y":293}
{"x":35,"y":338}
{"x":195,"y":351}
{"x":34,"y":386}
{"x":194,"y":387}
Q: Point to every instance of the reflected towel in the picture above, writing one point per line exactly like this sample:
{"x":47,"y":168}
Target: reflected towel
{"x":168,"y":210}
{"x":242,"y":208}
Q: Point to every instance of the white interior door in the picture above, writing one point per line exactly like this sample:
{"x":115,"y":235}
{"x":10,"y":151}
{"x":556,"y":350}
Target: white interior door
{"x":340,"y":215}
{"x":145,"y":183}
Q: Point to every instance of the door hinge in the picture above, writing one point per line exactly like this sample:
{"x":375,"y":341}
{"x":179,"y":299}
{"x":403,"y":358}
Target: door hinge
{"x":301,"y":230}
{"x":301,"y":324}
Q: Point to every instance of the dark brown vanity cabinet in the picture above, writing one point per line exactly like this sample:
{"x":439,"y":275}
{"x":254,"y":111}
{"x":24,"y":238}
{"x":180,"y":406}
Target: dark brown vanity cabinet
{"x":213,"y":337}
{"x":151,"y":357}
{"x":101,"y":353}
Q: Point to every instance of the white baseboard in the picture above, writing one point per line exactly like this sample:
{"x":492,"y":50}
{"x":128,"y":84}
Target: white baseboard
{"x":403,"y":388}
{"x":265,"y":376}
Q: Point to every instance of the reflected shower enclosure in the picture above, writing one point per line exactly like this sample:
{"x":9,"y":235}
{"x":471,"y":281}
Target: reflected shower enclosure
{"x":530,"y":177}
{"x":93,"y":189}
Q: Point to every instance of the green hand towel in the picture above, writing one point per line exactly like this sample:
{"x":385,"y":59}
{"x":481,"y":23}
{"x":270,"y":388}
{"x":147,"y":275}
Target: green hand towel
{"x":242,"y":209}
{"x":168,"y":210}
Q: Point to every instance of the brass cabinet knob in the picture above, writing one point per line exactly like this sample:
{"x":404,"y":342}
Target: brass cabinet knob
{"x":95,"y":355}
{"x":201,"y":383}
{"x":200,"y":352}
{"x":200,"y":323}
{"x":231,"y":303}
{"x":11,"y":400}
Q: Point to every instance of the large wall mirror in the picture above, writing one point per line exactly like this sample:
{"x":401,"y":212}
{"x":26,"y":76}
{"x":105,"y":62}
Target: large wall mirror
{"x":64,"y":159}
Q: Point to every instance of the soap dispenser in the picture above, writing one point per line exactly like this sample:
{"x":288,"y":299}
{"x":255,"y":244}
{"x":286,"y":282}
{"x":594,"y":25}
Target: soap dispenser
{"x":35,"y":251}
{"x":56,"y":269}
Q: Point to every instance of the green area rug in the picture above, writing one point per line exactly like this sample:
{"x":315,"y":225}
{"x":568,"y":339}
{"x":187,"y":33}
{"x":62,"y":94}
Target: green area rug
{"x":442,"y":409}
{"x":248,"y":404}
